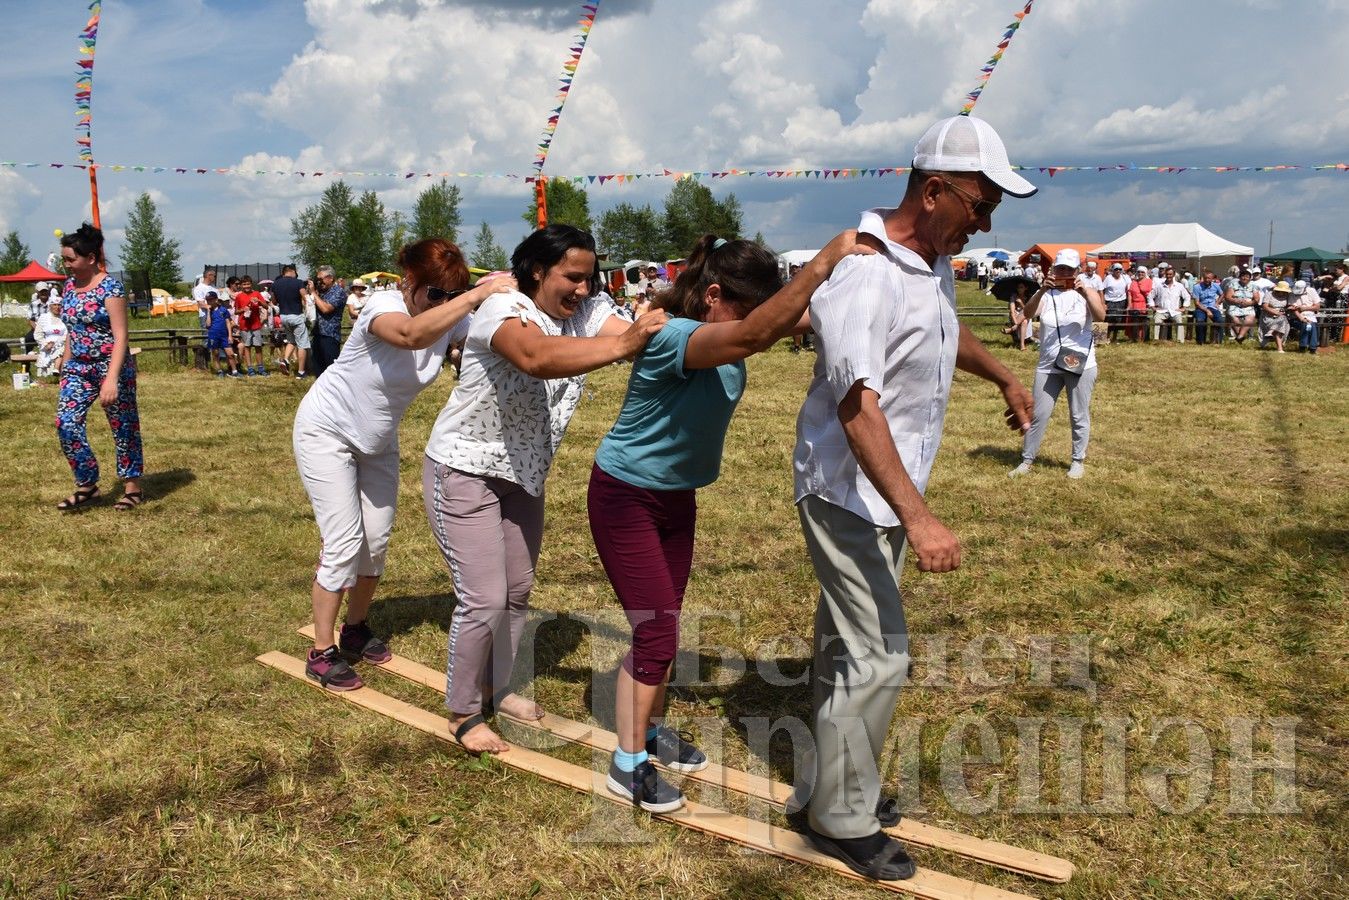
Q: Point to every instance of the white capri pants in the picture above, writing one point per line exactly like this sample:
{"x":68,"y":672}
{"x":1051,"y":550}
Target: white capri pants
{"x":354,"y":495}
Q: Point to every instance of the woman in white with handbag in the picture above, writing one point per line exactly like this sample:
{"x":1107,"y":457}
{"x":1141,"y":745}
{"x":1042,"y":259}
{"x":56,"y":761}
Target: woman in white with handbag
{"x":1067,"y":308}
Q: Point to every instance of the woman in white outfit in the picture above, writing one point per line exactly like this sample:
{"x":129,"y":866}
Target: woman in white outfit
{"x":346,"y":441}
{"x":490,"y":452}
{"x":50,"y":335}
{"x":1067,"y":308}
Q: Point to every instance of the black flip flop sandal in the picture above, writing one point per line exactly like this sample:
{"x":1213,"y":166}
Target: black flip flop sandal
{"x":83,"y":496}
{"x":468,"y":725}
{"x":891,"y":862}
{"x":489,"y":709}
{"x":129,"y":500}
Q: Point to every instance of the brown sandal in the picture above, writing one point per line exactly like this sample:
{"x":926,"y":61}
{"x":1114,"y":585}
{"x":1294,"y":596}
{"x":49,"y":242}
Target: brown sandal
{"x":83,"y":496}
{"x":129,"y":500}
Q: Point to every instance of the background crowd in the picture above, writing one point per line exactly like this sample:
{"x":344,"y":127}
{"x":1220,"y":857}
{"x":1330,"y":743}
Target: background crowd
{"x":1272,"y":307}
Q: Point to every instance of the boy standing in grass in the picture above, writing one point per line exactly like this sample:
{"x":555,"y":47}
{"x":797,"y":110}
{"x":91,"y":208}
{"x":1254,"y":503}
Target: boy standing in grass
{"x":220,"y":335}
{"x":248,"y":305}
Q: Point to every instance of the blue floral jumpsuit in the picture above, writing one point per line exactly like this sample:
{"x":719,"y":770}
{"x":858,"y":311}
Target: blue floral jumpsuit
{"x":85,"y":314}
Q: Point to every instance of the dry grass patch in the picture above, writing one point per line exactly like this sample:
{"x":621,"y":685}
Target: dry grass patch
{"x":1202,"y":562}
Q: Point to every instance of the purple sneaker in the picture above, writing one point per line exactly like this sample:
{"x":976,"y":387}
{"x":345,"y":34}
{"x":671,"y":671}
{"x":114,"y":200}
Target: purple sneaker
{"x":358,"y":643}
{"x":329,"y":669}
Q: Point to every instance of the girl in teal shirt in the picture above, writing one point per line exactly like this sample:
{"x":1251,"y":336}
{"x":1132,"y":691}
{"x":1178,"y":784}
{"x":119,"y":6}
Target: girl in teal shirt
{"x":728,"y":304}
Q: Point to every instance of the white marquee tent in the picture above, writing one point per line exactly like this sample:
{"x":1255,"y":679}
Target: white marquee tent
{"x":1187,"y":240}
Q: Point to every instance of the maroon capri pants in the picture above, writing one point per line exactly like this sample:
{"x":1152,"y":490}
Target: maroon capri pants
{"x":645,"y":541}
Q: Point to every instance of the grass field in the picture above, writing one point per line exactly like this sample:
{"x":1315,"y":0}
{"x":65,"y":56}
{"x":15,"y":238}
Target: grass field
{"x":1201,"y":567}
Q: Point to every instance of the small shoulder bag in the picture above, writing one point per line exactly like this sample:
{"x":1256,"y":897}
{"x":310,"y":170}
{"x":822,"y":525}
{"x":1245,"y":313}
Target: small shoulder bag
{"x":1069,"y":359}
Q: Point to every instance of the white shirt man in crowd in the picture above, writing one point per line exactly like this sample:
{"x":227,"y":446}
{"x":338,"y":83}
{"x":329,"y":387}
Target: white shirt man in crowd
{"x":1115,"y":290}
{"x":1091,"y":279}
{"x":867,"y":437}
{"x":199,"y":292}
{"x":1168,"y":301}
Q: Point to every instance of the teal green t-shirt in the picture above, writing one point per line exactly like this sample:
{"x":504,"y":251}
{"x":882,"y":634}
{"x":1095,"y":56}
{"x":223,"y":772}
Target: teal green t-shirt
{"x":671,"y":429}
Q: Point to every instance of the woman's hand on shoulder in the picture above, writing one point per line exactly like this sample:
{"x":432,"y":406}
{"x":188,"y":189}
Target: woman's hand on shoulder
{"x":640,"y":331}
{"x":848,"y":243}
{"x":501,"y":284}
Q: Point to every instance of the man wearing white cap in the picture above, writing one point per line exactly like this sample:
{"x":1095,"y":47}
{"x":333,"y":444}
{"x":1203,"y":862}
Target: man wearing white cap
{"x":889,"y":343}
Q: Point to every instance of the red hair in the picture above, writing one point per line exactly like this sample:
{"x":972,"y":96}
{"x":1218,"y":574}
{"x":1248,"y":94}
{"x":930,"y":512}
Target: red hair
{"x":434,"y":261}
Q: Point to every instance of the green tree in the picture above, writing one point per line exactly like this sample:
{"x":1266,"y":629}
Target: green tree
{"x":436,"y":213}
{"x":366,"y":235}
{"x":319,"y":232}
{"x":567,"y":205}
{"x":691,"y":212}
{"x":14,"y":255}
{"x":629,"y":232}
{"x":487,"y":253}
{"x":399,"y":236}
{"x":147,"y":247}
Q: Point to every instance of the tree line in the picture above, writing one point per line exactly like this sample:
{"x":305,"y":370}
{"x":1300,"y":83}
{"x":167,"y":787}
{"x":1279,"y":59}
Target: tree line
{"x":356,"y":234}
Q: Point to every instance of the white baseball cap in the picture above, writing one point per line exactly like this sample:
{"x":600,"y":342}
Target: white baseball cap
{"x":358,"y":283}
{"x":967,"y":144}
{"x":1067,"y":257}
{"x":1115,"y":266}
{"x":1299,"y":288}
{"x":1091,"y":264}
{"x":42,"y":286}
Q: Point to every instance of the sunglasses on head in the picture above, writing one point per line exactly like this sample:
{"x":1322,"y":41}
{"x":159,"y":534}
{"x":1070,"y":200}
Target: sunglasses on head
{"x":440,"y":295}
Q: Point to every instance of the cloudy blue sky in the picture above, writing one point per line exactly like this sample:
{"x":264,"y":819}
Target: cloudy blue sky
{"x":437,"y":85}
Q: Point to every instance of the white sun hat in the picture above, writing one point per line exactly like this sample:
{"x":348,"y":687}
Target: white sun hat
{"x":967,"y":144}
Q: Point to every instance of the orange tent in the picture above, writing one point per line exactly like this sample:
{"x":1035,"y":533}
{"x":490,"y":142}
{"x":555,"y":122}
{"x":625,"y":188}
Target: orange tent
{"x":1049,"y":251}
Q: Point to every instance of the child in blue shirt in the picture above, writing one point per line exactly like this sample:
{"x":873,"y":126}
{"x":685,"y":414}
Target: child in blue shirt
{"x":219,"y":336}
{"x":728,"y":304}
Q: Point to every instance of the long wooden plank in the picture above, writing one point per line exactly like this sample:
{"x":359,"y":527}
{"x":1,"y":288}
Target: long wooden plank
{"x":993,"y":853}
{"x":761,"y":836}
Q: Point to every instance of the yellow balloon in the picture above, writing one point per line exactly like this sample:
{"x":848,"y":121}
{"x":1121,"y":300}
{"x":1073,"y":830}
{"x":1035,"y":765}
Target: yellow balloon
{"x":59,"y":233}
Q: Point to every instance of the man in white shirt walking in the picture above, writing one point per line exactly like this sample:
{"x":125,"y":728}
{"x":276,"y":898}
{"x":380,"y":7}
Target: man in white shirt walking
{"x":867,"y":436}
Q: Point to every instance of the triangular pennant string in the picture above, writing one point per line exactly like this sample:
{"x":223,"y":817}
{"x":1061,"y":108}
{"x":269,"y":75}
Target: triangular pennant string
{"x":569,"y":67}
{"x":987,"y":70}
{"x":84,"y":84}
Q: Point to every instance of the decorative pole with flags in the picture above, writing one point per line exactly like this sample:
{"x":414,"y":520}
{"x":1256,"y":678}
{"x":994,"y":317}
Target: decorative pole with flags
{"x":588,"y":12}
{"x":986,"y":71}
{"x":84,"y":89}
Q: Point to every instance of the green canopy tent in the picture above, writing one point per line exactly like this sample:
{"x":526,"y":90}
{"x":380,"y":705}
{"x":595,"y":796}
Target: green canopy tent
{"x":1318,"y":257}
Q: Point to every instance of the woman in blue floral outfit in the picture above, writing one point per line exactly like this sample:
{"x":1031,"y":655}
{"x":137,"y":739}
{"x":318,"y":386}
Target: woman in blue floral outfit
{"x":97,"y":367}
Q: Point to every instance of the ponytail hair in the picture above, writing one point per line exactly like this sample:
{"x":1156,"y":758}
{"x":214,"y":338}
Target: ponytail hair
{"x":86,"y":241}
{"x":746,"y":272}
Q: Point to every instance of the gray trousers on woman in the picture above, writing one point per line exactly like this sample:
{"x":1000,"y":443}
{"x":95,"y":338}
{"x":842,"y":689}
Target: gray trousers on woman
{"x":490,"y":531}
{"x":1048,"y":386}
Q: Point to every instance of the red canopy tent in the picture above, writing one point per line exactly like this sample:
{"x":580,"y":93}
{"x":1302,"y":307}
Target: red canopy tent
{"x":33,"y":272}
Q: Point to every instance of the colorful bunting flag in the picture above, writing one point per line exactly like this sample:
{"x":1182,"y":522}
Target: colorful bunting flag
{"x":823,"y":173}
{"x":84,"y":84}
{"x":986,"y":71}
{"x":588,"y":12}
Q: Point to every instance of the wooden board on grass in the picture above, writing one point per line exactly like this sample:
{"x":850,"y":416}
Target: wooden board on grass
{"x":759,"y":835}
{"x":993,"y":853}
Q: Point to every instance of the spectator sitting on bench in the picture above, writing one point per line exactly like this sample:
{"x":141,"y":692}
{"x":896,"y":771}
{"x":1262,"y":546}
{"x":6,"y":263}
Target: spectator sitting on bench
{"x":50,"y":335}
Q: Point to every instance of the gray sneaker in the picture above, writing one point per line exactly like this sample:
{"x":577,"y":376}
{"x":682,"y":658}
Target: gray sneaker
{"x":1023,"y":469}
{"x":675,"y":750}
{"x":645,"y":788}
{"x":1076,"y":470}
